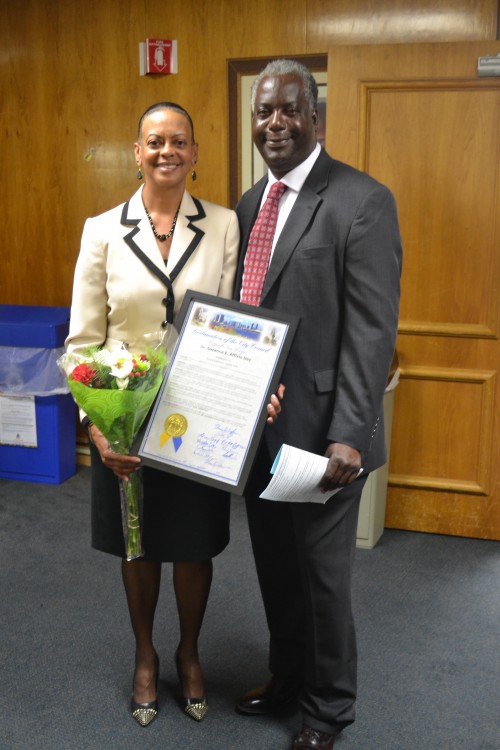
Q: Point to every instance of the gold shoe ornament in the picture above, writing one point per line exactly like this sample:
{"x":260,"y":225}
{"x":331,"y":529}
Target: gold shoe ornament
{"x":196,"y":708}
{"x":146,"y":713}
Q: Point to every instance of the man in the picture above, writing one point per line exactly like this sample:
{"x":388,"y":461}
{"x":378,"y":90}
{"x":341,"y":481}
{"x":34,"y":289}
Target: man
{"x":336,"y":263}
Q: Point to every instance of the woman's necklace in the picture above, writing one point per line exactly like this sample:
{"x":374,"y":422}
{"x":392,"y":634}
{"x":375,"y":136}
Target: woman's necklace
{"x":163,"y":237}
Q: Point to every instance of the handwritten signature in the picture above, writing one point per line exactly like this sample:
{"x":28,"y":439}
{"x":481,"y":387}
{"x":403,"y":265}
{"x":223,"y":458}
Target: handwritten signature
{"x":222,"y":445}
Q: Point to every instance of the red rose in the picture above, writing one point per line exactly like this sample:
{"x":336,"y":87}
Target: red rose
{"x":84,"y":374}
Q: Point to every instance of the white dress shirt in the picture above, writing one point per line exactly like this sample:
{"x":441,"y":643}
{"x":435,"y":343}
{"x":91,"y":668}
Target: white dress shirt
{"x":294,"y":180}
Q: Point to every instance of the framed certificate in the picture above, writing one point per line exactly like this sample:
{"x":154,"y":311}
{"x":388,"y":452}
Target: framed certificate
{"x":210,"y":412}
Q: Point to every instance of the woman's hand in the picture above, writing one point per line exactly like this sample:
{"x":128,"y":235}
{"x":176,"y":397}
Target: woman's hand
{"x":274,"y":408}
{"x":121,"y":465}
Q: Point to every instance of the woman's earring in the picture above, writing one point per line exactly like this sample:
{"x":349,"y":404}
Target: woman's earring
{"x":193,"y":175}
{"x":139,"y":174}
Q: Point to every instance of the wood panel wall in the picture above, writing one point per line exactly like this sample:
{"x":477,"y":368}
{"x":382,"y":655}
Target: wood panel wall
{"x":71,"y":94}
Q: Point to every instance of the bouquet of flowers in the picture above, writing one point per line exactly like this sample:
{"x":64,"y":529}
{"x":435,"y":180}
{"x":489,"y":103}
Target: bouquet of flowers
{"x":115,"y":389}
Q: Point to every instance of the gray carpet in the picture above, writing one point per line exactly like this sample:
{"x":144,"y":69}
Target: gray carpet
{"x":428,"y":616}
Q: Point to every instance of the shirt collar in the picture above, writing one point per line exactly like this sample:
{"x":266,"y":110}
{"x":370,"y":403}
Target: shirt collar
{"x":295,"y":179}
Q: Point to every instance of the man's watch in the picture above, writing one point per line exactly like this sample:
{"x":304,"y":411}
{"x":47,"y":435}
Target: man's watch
{"x":86,"y":422}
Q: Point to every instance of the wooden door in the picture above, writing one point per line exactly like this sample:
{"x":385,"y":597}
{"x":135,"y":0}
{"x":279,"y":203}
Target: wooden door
{"x":418,"y":118}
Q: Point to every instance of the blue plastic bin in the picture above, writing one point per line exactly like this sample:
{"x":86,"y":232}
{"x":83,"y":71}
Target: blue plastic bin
{"x":54,"y":458}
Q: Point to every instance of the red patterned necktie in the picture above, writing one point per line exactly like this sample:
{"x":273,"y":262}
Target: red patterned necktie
{"x":259,"y":246}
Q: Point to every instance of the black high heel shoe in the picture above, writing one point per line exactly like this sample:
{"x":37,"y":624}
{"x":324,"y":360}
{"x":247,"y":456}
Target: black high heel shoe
{"x":145,"y":713}
{"x":196,"y":708}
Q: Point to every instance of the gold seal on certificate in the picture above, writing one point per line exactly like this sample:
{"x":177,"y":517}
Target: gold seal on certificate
{"x":175,"y":426}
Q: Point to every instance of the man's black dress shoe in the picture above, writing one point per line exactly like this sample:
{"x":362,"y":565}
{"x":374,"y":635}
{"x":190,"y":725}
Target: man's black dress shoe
{"x":311,"y":739}
{"x":269,"y":698}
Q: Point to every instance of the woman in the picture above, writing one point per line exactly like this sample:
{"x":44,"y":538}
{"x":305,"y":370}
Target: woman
{"x":135,"y":264}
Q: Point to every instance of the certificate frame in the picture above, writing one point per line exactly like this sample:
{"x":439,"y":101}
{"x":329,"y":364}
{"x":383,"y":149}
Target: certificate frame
{"x":207,"y":420}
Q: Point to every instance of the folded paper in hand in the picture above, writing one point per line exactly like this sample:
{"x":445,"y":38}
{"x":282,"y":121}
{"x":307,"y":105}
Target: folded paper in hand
{"x":296,"y":477}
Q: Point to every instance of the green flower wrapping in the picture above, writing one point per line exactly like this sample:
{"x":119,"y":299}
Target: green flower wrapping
{"x":116,"y":391}
{"x":118,"y":414}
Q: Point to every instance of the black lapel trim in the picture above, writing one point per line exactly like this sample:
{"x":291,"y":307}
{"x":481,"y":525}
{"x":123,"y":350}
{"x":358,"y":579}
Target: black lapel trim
{"x":129,"y":239}
{"x":198,"y":234}
{"x":169,"y":300}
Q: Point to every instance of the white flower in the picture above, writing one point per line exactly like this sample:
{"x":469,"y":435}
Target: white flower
{"x":121,"y":364}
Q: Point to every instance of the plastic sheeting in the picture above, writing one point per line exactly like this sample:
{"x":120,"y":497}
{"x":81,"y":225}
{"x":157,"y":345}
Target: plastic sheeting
{"x":31,"y":372}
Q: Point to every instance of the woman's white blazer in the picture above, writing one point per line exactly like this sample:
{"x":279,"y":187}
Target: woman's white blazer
{"x":117,"y":299}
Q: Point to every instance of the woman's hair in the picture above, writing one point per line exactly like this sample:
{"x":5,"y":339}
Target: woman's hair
{"x":287,"y":67}
{"x":165,"y":105}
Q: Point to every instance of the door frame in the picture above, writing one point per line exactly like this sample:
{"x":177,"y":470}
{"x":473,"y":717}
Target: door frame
{"x":236,"y":68}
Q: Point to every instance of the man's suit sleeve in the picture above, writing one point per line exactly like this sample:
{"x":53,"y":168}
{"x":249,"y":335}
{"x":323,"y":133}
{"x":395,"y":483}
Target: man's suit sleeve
{"x":371,"y":289}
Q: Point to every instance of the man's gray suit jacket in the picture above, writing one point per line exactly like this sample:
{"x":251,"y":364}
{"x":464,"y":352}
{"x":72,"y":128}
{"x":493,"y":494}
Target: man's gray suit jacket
{"x":337,"y":265}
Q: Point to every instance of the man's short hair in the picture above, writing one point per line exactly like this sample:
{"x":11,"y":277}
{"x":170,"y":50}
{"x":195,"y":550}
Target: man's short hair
{"x":286,"y":67}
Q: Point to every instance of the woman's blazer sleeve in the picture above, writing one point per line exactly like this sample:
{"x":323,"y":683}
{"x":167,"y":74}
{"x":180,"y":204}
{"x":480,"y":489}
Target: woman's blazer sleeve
{"x":230,"y":262}
{"x":89,"y":302}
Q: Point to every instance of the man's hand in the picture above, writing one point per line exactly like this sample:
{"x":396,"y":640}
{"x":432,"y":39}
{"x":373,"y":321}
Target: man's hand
{"x":343,"y":466}
{"x":121,"y":465}
{"x":274,"y":408}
